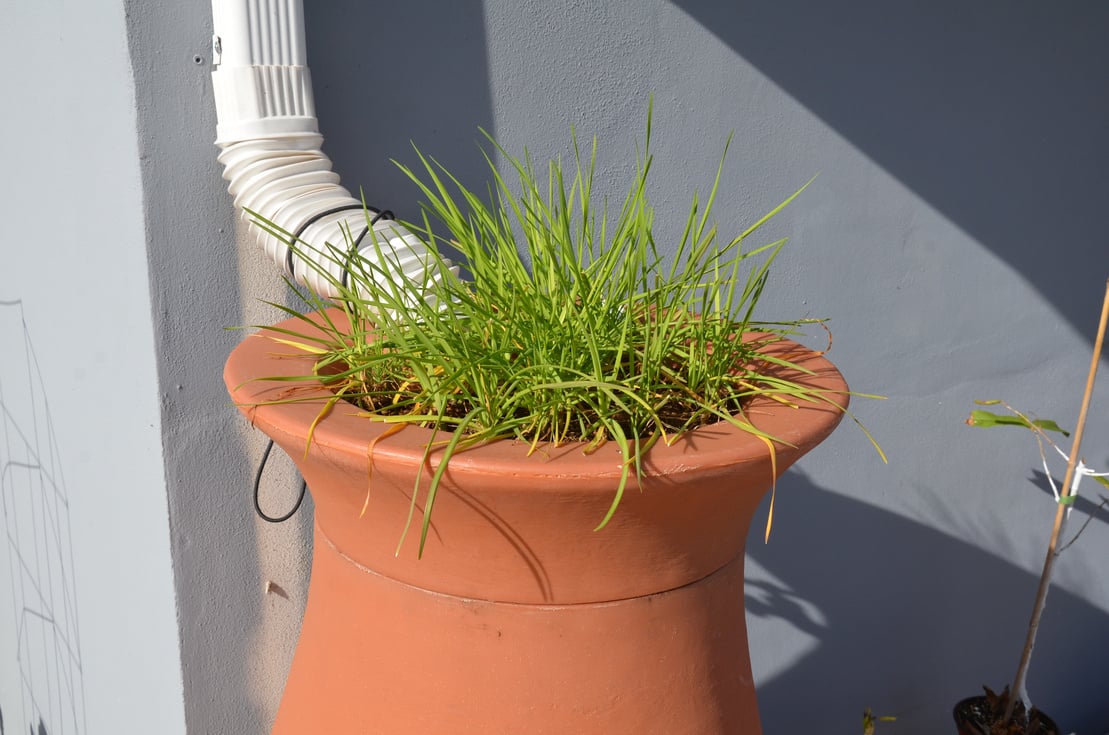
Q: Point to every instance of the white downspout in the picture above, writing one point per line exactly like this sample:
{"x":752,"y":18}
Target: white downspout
{"x":269,"y":144}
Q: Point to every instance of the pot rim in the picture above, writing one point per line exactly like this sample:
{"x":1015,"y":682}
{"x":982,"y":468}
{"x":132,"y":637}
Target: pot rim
{"x":515,"y":528}
{"x":346,"y":428}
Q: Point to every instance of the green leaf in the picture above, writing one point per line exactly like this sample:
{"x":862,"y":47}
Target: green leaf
{"x":987,"y":419}
{"x":1049,"y":425}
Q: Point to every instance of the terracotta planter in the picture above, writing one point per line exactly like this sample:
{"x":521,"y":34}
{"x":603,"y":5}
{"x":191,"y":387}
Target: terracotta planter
{"x":520,"y":618}
{"x":971,"y":715}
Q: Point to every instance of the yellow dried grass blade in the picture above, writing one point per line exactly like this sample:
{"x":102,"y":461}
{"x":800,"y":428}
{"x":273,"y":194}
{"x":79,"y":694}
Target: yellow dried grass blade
{"x":316,"y":421}
{"x":394,"y":429}
{"x":301,"y":346}
{"x":773,"y":484}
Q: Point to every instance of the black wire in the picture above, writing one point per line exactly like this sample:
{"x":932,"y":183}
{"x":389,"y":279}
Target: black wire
{"x":258,"y":482}
{"x":289,"y":265}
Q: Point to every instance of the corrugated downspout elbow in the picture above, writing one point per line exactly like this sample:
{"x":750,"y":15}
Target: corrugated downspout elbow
{"x":269,"y":144}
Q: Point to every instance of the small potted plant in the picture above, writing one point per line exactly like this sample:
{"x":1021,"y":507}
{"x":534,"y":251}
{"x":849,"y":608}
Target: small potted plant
{"x":1010,"y":713}
{"x":532,"y":487}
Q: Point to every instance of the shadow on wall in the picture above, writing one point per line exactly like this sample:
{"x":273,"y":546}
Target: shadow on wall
{"x":907,"y":620}
{"x":41,"y":730}
{"x":34,"y":510}
{"x":384,"y":77}
{"x":994,"y":112}
{"x":1092,"y":503}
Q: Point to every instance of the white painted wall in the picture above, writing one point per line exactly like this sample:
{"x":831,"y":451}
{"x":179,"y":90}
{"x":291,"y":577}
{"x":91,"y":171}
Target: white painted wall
{"x":88,"y":631}
{"x":954,"y":236}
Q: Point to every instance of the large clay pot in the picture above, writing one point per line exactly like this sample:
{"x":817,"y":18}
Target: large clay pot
{"x":520,"y":618}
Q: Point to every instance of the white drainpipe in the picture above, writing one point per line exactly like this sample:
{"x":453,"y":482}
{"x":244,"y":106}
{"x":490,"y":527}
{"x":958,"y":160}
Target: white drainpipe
{"x":269,"y":144}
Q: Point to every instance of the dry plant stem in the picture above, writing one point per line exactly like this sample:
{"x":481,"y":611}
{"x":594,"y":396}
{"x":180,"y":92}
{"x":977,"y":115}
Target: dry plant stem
{"x":1060,"y":515}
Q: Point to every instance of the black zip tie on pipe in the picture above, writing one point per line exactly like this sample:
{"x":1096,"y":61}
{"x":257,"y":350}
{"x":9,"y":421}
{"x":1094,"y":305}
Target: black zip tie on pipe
{"x":291,"y":244}
{"x":258,"y":482}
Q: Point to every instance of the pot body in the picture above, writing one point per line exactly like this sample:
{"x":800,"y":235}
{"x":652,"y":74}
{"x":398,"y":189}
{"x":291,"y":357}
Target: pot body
{"x":969,"y":718}
{"x":520,"y":618}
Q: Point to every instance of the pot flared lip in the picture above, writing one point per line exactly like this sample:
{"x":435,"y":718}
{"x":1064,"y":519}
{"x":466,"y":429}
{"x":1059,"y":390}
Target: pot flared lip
{"x":258,"y":369}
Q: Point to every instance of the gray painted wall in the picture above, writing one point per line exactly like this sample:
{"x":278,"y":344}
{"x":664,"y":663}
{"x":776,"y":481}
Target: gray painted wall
{"x":952,"y":236}
{"x":236,"y":640}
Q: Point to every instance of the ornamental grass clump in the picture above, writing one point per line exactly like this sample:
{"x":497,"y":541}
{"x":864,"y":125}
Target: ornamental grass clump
{"x":573,"y":325}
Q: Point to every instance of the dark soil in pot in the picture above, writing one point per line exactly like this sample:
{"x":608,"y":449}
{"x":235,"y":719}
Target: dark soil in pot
{"x":982,"y":716}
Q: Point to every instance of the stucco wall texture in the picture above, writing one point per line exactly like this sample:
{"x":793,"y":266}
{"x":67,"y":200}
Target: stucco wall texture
{"x":954,"y":237}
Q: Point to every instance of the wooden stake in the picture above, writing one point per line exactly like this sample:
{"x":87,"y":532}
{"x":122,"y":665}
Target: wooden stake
{"x":1060,"y":516}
